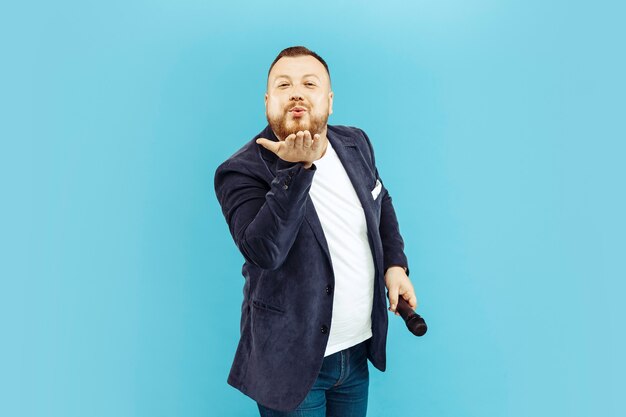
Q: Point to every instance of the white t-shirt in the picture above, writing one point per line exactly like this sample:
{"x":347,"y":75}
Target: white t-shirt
{"x":343,"y":221}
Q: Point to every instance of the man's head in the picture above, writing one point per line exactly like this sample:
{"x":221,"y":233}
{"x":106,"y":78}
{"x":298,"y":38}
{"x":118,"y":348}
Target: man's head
{"x":298,"y":95}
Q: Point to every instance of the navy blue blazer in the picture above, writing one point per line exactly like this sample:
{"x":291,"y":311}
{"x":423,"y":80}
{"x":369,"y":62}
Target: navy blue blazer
{"x":288,"y":291}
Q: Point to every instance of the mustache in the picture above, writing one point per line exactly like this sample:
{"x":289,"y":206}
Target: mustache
{"x":291,"y":106}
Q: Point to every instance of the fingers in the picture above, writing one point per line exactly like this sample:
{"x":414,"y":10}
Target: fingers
{"x":289,"y":141}
{"x":408,"y":295}
{"x":299,"y":140}
{"x":302,"y":140}
{"x":393,"y":299}
{"x":268,"y":144}
{"x":410,"y":298}
{"x":296,"y":145}
{"x":315,"y":143}
{"x":307,"y":139}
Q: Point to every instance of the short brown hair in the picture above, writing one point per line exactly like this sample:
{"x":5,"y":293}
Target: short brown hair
{"x":294,"y":51}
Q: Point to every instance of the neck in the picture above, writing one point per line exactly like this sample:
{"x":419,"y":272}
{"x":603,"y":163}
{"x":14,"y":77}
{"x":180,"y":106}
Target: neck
{"x":324,"y":138}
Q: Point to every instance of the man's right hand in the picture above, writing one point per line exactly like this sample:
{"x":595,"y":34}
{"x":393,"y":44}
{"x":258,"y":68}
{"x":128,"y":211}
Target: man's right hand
{"x":297,"y":147}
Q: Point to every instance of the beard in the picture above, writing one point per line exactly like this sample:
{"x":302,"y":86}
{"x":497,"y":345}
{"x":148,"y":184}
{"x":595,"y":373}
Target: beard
{"x":283,"y":125}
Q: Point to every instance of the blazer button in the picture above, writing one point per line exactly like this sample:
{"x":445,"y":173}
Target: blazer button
{"x":324,"y":329}
{"x":285,"y":186}
{"x":329,"y":289}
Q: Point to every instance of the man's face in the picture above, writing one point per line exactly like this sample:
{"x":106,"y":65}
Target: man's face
{"x":298,"y":96}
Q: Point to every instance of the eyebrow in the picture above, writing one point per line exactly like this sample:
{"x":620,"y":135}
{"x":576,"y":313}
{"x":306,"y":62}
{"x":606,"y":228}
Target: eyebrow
{"x":304,"y":76}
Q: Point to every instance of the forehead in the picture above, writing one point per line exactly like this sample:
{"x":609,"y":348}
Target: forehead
{"x":296,"y":67}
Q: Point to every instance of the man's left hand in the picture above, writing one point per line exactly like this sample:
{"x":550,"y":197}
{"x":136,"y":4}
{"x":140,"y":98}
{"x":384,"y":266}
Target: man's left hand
{"x":398,"y":284}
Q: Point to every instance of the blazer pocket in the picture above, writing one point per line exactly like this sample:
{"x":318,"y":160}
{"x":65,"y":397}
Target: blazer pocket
{"x":268,"y":307}
{"x":377,"y":189}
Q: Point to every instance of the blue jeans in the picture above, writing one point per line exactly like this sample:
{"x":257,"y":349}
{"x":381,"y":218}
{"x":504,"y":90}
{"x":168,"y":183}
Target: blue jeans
{"x":340,"y":389}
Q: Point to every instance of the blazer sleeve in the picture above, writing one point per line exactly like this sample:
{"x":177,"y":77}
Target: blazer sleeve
{"x":263,"y":219}
{"x":393,"y":244}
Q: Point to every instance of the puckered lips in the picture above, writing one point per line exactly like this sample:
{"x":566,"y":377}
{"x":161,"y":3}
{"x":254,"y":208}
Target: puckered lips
{"x":297,"y":111}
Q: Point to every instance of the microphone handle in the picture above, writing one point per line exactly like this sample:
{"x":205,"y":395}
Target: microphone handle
{"x":414,"y":322}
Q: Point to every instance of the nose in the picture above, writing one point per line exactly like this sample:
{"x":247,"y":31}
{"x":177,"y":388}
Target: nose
{"x":295,"y":96}
{"x":296,"y":93}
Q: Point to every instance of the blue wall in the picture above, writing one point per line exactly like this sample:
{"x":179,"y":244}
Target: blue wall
{"x":499,"y":131}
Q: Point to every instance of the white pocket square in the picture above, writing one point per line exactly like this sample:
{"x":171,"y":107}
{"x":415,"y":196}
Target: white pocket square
{"x":377,"y":189}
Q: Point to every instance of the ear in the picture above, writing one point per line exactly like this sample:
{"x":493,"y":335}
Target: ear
{"x":266,"y":99}
{"x":330,"y":103}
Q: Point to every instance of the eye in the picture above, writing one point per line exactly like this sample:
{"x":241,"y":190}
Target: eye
{"x":283,"y":85}
{"x":309,"y":83}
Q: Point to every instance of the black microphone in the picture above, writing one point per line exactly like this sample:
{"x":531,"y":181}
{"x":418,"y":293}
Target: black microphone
{"x":414,"y":322}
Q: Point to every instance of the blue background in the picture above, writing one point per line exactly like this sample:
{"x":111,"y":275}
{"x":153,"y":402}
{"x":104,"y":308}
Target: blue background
{"x":499,"y":131}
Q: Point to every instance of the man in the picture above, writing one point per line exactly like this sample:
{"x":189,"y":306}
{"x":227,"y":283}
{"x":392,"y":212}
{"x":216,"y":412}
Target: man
{"x":309,"y":213}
